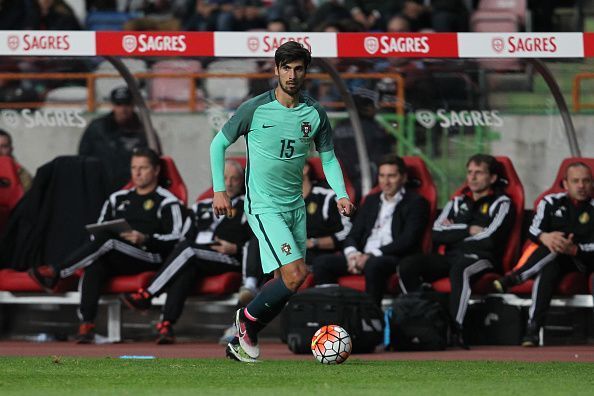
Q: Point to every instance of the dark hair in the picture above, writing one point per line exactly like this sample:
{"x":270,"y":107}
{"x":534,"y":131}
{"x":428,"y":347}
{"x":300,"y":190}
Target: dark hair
{"x":4,"y":133}
{"x":292,"y":51}
{"x":146,"y":152}
{"x":576,"y":164}
{"x":392,"y":159}
{"x":492,"y":163}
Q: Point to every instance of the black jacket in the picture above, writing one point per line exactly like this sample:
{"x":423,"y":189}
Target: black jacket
{"x":202,"y":223}
{"x":112,"y":144}
{"x":556,"y":212}
{"x":158,"y":214}
{"x":48,"y":223}
{"x":493,"y":212}
{"x":408,"y":222}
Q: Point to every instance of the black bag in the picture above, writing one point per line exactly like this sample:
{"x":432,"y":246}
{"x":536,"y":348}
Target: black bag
{"x":313,"y":308}
{"x":416,"y":323}
{"x":493,"y":322}
{"x":566,"y":326}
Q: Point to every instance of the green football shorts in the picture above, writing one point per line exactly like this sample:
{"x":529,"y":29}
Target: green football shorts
{"x":281,"y":236}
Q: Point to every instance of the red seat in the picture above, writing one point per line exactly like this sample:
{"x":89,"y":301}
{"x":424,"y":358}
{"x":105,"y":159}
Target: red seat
{"x":170,"y":179}
{"x":420,"y":181}
{"x":557,"y":185}
{"x":514,"y":189}
{"x":573,"y":282}
{"x":17,"y":281}
{"x":11,"y":189}
{"x":218,"y":285}
{"x":128,"y":283}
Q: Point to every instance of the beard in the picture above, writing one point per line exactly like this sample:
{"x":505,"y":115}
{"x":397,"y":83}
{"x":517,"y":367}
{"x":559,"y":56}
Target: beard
{"x":290,"y":90}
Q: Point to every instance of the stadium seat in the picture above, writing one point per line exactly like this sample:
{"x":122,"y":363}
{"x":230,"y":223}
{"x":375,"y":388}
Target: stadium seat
{"x":573,"y":282}
{"x":11,"y":190}
{"x":65,"y":97}
{"x":18,"y":281}
{"x":170,"y":94}
{"x":421,"y":181}
{"x":514,"y":189}
{"x":557,"y":185}
{"x":104,"y":86}
{"x":518,"y":8}
{"x":171,"y":179}
{"x":229,"y":92}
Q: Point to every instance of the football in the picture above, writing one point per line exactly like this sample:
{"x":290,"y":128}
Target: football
{"x":331,"y":344}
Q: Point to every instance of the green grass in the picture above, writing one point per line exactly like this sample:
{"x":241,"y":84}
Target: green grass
{"x":108,"y":376}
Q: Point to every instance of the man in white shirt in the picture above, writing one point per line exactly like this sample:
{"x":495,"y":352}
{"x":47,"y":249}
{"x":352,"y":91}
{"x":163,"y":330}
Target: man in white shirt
{"x":388,"y":227}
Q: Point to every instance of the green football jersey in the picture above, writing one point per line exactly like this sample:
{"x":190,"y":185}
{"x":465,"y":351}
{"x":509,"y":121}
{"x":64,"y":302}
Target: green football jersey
{"x":278,"y":141}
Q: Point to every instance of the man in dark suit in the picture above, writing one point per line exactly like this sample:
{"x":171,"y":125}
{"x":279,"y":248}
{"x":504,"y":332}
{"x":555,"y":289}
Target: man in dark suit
{"x":388,"y":227}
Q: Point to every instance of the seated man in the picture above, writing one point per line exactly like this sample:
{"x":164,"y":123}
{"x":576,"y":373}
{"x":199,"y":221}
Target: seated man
{"x":210,"y":246}
{"x":388,"y":227}
{"x":563,"y":233}
{"x":473,"y":227}
{"x":155,"y":216}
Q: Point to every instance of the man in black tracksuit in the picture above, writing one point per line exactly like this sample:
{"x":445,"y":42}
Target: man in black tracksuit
{"x":563,"y":233}
{"x":388,"y":227}
{"x":473,"y":227}
{"x":156,"y":218}
{"x":210,"y":246}
{"x":112,"y":138}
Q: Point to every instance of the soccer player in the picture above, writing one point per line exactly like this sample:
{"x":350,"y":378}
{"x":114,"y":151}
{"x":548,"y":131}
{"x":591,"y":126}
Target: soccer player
{"x":278,"y":127}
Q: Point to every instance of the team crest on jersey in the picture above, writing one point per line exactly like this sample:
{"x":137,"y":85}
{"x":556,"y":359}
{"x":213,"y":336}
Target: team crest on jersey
{"x":584,"y":218}
{"x":305,"y":129}
{"x":312,"y":207}
{"x":485,"y":208}
{"x":286,"y":248}
{"x":148,"y":204}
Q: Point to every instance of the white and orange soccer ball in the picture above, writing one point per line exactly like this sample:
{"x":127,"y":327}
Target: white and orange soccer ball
{"x":331,"y":344}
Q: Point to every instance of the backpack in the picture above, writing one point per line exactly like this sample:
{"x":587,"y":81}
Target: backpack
{"x":416,"y":323}
{"x":313,"y":308}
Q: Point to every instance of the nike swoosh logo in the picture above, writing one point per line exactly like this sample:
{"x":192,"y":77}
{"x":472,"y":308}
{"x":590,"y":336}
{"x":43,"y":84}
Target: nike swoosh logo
{"x":267,"y":126}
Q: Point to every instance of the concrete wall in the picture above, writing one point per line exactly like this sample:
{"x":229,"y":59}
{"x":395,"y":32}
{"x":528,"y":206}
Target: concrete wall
{"x":535,"y":143}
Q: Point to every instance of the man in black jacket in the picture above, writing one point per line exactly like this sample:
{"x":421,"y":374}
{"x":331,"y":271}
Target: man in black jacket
{"x":210,"y":246}
{"x":388,"y":227}
{"x":155,"y":217}
{"x":112,"y":138}
{"x":563,"y":234}
{"x":473,"y":227}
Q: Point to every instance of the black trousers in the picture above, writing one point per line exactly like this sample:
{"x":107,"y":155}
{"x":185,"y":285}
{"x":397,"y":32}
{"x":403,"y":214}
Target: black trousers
{"x":547,"y":269}
{"x":328,"y":268}
{"x":102,"y":259}
{"x":461,"y":269}
{"x":180,"y":271}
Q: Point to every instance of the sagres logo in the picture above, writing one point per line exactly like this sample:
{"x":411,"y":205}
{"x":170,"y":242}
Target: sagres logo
{"x":10,"y":118}
{"x":13,"y":42}
{"x":498,"y":44}
{"x":450,"y":118}
{"x":129,"y":43}
{"x":371,"y":45}
{"x":426,"y":118}
{"x":253,"y":44}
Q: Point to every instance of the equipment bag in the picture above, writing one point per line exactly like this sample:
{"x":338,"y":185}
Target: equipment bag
{"x":313,"y":308}
{"x":416,"y":323}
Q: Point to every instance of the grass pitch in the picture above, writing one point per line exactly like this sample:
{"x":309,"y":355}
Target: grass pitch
{"x":112,"y":376}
